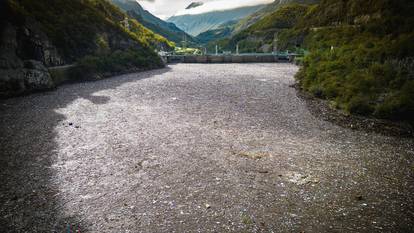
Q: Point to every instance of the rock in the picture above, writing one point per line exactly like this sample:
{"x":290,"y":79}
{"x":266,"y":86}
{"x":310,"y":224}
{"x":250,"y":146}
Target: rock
{"x":19,"y":76}
{"x":36,"y":76}
{"x":145,"y":164}
{"x":359,"y":197}
{"x":301,"y":179}
{"x":207,"y":206}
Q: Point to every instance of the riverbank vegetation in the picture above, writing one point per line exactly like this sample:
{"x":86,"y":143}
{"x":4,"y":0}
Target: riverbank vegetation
{"x":361,"y":53}
{"x":361,"y":56}
{"x":90,"y":30}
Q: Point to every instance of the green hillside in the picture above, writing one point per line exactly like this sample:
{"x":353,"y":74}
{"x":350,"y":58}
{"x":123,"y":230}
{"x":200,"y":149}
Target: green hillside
{"x":360,"y":52}
{"x":157,"y":25}
{"x":361,"y":56}
{"x":95,"y":34}
{"x":262,"y":13}
{"x":195,"y":24}
{"x":223,"y":31}
{"x":257,"y":32}
{"x":77,"y":27}
{"x":260,"y":36}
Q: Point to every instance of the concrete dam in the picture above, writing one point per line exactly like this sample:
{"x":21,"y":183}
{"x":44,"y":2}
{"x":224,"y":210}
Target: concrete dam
{"x":228,"y":58}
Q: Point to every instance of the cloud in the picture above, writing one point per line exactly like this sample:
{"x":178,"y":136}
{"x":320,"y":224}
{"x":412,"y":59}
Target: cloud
{"x":220,"y":5}
{"x":167,"y":8}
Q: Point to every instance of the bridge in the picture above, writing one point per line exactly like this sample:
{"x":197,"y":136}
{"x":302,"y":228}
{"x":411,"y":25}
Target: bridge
{"x":230,"y":58}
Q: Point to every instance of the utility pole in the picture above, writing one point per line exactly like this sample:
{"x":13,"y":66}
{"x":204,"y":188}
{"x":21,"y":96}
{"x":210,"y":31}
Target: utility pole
{"x":237,"y":49}
{"x":275,"y":40}
{"x":216,"y":49}
{"x":184,"y":41}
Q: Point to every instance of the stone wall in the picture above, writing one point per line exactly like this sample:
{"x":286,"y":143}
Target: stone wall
{"x":25,"y":54}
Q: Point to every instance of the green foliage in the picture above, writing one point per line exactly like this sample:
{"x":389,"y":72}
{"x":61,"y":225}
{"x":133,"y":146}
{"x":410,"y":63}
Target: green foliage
{"x":358,"y":54}
{"x":267,"y":29}
{"x":361,"y":56}
{"x":116,"y":62}
{"x":211,"y":35}
{"x":187,"y":51}
{"x":94,"y":34}
{"x":286,"y":17}
{"x":86,"y":27}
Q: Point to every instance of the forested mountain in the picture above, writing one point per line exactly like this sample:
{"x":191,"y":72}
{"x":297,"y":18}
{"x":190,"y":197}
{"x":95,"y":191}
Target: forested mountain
{"x":223,"y":31}
{"x":360,"y":53}
{"x":260,"y":36}
{"x":226,"y":31}
{"x":157,"y":25}
{"x":269,"y":9}
{"x":95,"y":34}
{"x":194,"y":24}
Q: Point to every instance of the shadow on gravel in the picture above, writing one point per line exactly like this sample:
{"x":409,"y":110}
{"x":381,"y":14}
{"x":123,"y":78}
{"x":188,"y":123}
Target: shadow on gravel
{"x":29,"y":194}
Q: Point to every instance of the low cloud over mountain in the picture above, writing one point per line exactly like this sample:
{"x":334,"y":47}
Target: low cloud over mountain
{"x":165,"y":8}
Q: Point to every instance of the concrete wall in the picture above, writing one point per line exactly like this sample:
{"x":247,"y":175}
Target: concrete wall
{"x":61,"y":74}
{"x":223,"y":59}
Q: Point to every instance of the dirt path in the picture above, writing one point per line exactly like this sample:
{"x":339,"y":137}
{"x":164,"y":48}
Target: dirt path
{"x":195,"y":148}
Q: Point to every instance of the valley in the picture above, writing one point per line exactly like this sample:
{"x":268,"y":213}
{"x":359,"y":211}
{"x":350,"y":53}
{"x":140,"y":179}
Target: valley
{"x":206,"y":116}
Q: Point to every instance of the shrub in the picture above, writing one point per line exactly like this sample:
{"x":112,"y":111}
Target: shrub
{"x":359,"y":104}
{"x":116,"y":62}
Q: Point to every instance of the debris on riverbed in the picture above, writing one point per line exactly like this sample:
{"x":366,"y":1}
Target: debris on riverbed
{"x":252,"y":154}
{"x":301,"y":179}
{"x":323,"y":109}
{"x":212,"y":161}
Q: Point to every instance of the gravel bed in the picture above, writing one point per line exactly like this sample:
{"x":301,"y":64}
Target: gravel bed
{"x":196,"y":148}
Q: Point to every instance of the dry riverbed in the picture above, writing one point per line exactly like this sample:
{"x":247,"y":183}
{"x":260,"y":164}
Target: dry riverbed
{"x":196,"y":148}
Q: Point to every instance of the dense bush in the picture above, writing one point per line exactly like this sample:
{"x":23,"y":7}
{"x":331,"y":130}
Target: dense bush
{"x":117,"y":62}
{"x":361,"y":56}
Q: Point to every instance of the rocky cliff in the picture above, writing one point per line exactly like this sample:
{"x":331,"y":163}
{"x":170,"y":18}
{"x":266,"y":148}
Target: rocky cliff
{"x":195,"y":24}
{"x":36,"y":35}
{"x":25,"y":52}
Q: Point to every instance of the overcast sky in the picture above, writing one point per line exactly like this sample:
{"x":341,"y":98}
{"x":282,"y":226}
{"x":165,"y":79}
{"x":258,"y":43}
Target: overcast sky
{"x":167,"y":8}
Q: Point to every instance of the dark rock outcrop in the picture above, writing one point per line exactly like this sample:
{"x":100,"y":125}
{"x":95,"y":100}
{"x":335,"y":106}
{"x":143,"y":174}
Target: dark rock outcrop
{"x":24,"y":54}
{"x":39,"y":36}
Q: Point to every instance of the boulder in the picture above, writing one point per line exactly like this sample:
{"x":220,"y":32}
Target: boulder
{"x":18,"y":76}
{"x":36,"y":76}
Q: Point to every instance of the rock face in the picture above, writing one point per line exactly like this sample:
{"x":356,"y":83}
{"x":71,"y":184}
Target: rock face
{"x":195,"y":24}
{"x":36,"y":76}
{"x":25,"y":52}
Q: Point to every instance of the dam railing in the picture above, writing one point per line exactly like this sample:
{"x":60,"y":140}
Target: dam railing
{"x":230,"y":58}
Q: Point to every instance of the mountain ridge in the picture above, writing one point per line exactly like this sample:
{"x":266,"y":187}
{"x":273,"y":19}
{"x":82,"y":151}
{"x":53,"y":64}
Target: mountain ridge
{"x":167,"y":29}
{"x":199,"y":23}
{"x":244,"y":23}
